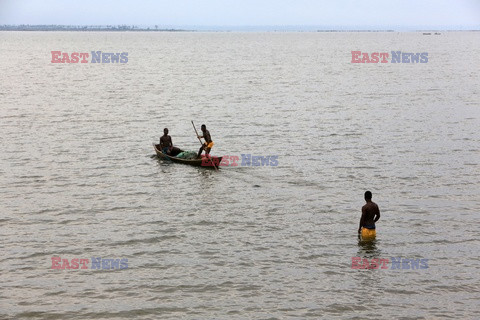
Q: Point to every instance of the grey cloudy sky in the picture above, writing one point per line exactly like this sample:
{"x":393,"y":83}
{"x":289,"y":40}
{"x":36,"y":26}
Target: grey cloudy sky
{"x":399,"y":13}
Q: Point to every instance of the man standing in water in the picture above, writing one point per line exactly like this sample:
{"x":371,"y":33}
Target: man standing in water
{"x":370,"y":215}
{"x":208,"y":144}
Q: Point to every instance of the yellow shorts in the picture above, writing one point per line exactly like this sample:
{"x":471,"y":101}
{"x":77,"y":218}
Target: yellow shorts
{"x":368,"y":233}
{"x":210,"y":145}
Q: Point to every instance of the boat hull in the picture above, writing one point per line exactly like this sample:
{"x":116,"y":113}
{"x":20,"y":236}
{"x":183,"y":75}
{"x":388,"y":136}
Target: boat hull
{"x":195,"y":162}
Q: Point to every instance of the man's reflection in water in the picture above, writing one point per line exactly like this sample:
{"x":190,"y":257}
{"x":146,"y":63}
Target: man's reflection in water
{"x":368,"y":248}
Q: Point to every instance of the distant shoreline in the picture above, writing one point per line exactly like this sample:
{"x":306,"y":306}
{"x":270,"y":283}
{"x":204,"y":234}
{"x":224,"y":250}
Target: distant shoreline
{"x":84,"y":28}
{"x":133,"y":28}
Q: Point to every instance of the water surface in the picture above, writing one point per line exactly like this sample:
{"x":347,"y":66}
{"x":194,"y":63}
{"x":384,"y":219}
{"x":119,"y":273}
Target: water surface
{"x":79,"y":179}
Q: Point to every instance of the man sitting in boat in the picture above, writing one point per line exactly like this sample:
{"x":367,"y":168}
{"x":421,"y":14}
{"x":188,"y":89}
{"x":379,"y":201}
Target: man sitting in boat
{"x":166,"y":144}
{"x":208,"y":144}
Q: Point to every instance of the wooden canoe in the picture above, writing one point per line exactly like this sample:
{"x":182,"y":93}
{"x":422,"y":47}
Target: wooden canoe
{"x":194,"y":162}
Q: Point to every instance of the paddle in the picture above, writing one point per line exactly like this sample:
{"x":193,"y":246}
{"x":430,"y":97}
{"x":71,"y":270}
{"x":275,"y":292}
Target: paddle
{"x":196,"y":132}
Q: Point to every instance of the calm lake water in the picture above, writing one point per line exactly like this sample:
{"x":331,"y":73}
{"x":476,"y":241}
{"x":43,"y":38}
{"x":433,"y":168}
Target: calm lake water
{"x":79,"y":178}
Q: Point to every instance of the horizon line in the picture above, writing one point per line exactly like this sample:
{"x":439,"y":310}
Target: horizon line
{"x":226,"y":28}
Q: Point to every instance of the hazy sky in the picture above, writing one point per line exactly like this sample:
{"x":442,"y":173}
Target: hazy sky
{"x":401,"y":13}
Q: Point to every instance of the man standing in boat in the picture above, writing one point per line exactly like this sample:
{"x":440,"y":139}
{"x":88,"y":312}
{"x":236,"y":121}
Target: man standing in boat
{"x":208,"y":144}
{"x":370,"y":215}
{"x":166,"y":144}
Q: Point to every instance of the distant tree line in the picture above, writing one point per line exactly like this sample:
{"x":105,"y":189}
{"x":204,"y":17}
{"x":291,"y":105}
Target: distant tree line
{"x":56,"y":27}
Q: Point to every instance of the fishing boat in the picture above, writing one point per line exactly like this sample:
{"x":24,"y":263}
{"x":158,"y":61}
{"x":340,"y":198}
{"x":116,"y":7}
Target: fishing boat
{"x":203,"y":162}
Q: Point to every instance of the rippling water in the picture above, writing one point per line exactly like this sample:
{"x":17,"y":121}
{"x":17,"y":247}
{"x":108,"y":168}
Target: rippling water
{"x":79,"y":178}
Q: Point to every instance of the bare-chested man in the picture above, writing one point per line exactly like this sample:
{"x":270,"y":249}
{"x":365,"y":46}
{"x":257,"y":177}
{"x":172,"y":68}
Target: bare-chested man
{"x":208,"y":144}
{"x":166,"y":144}
{"x":370,"y":215}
